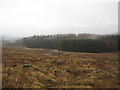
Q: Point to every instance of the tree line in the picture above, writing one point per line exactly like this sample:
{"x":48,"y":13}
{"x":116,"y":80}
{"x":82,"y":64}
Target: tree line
{"x":74,"y":43}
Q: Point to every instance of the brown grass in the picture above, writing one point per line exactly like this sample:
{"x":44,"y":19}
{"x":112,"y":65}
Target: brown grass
{"x":70,"y":70}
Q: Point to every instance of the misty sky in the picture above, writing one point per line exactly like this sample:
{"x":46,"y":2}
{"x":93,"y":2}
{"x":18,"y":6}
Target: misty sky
{"x":29,"y":17}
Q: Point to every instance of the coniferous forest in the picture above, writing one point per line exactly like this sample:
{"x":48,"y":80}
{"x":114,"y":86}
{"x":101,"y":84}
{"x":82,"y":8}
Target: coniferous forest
{"x":71,"y":42}
{"x":59,"y":44}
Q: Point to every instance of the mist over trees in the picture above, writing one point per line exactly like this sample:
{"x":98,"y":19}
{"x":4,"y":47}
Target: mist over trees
{"x":73,"y":42}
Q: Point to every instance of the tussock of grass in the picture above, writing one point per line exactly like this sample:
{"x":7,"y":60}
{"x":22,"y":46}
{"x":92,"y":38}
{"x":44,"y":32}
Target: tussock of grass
{"x":70,"y":70}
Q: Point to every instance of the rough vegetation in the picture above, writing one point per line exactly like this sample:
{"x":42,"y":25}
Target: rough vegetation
{"x":48,"y":69}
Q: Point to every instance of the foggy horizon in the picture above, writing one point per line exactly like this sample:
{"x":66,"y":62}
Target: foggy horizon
{"x":61,"y":44}
{"x":21,"y":18}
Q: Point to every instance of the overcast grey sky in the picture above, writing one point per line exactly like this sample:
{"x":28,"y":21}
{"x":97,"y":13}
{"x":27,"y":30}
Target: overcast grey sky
{"x":29,"y":17}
